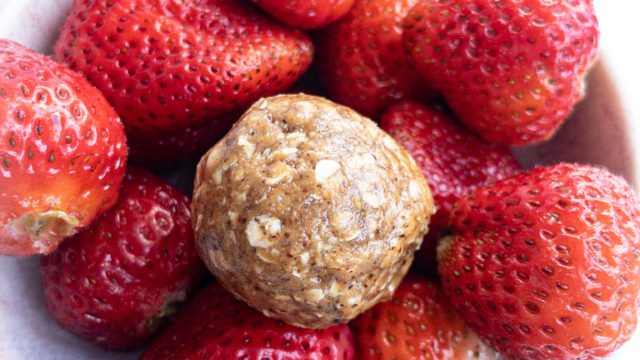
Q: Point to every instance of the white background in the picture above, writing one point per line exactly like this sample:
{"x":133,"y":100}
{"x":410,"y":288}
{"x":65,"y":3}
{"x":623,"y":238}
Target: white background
{"x":620,"y":49}
{"x":27,"y":332}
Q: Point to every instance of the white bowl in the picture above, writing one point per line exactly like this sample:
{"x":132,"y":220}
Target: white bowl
{"x":604,"y":129}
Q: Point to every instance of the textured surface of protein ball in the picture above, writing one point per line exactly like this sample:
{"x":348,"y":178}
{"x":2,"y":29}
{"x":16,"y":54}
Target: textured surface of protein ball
{"x":308,"y":211}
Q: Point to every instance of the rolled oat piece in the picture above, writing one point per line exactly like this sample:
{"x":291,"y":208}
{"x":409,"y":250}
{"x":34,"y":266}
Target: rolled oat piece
{"x":308,"y":211}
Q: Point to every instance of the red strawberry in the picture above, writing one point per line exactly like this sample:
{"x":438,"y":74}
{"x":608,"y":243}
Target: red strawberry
{"x":453,"y":159}
{"x":62,"y":152}
{"x":309,"y":83}
{"x":169,"y":65}
{"x":173,"y":146}
{"x":417,"y":323}
{"x":545,"y":265}
{"x":116,"y":282}
{"x":306,"y":14}
{"x":510,"y":69}
{"x":215,"y":325}
{"x":361,"y":60}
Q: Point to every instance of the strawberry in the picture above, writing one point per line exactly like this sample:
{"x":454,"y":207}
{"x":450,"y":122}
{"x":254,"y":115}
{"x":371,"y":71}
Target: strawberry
{"x":173,"y":146}
{"x":417,"y":323}
{"x":453,"y":159}
{"x":118,"y":281}
{"x":361,"y":60}
{"x":306,"y":14}
{"x":309,"y":83}
{"x":510,"y":69}
{"x":545,"y":265}
{"x":170,"y":65}
{"x":215,"y":325}
{"x":62,"y":152}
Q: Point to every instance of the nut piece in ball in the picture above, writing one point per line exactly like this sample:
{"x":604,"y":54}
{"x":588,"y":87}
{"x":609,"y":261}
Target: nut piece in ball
{"x":308,"y":211}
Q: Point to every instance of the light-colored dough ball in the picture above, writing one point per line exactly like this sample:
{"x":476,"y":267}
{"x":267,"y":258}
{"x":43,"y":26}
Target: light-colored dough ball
{"x":308,"y":211}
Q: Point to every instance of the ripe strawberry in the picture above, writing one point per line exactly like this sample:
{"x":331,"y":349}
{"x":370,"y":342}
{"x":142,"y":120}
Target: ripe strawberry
{"x":215,"y":325}
{"x":545,"y":265}
{"x":454,"y":160}
{"x":309,"y":83}
{"x":361,"y":60}
{"x":62,"y":152}
{"x":306,"y":14}
{"x":511,"y":70}
{"x":169,"y":65}
{"x":117,"y":282}
{"x":417,"y":323}
{"x":173,"y":146}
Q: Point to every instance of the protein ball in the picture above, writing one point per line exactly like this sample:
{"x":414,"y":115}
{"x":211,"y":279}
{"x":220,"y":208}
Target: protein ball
{"x":308,"y":211}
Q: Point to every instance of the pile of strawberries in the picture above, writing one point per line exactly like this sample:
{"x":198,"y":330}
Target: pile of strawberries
{"x":540,"y":264}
